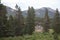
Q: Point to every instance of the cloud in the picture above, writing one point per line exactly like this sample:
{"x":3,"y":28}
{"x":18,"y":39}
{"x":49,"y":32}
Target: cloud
{"x":35,"y":3}
{"x":10,"y":3}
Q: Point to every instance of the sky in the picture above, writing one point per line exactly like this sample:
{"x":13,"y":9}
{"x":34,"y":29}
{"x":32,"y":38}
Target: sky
{"x":24,"y":4}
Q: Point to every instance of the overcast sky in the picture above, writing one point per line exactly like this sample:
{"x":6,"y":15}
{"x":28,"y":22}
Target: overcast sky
{"x":35,"y":3}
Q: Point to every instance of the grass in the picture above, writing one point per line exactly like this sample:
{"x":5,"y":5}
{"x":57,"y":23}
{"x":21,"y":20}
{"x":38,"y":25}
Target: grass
{"x":35,"y":36}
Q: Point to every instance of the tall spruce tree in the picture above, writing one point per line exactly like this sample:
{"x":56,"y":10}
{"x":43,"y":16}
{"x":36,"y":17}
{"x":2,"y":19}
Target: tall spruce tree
{"x":46,"y":21}
{"x":11,"y":26}
{"x":3,"y":20}
{"x":20,"y":22}
{"x":30,"y":25}
{"x":56,"y":24}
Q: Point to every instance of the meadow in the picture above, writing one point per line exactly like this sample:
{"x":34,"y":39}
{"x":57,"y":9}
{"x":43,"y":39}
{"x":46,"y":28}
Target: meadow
{"x":35,"y":36}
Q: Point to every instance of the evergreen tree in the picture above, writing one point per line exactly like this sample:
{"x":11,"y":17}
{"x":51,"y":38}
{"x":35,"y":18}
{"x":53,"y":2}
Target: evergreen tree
{"x":30,"y":25}
{"x":11,"y":26}
{"x":3,"y":20}
{"x":20,"y":22}
{"x":46,"y":21}
{"x":56,"y":21}
{"x":56,"y":25}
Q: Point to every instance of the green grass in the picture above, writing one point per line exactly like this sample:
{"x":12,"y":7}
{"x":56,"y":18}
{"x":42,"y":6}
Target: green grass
{"x":35,"y":36}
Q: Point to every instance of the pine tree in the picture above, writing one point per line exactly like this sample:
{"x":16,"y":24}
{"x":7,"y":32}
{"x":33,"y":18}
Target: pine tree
{"x":11,"y":26}
{"x":46,"y":21}
{"x":56,"y":21}
{"x":56,"y":25}
{"x":20,"y":22}
{"x":30,"y":25}
{"x":3,"y":20}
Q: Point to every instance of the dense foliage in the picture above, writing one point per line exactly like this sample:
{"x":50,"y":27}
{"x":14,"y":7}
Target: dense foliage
{"x":46,"y":21}
{"x":30,"y":23}
{"x":17,"y":26}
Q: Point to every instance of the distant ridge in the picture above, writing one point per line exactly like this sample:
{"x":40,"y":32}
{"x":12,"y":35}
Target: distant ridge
{"x":39,"y":12}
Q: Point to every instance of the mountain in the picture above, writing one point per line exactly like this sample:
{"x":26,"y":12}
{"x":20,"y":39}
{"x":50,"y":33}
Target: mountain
{"x":10,"y":11}
{"x":39,"y":12}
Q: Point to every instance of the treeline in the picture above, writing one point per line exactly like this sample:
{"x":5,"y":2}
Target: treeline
{"x":16,"y":26}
